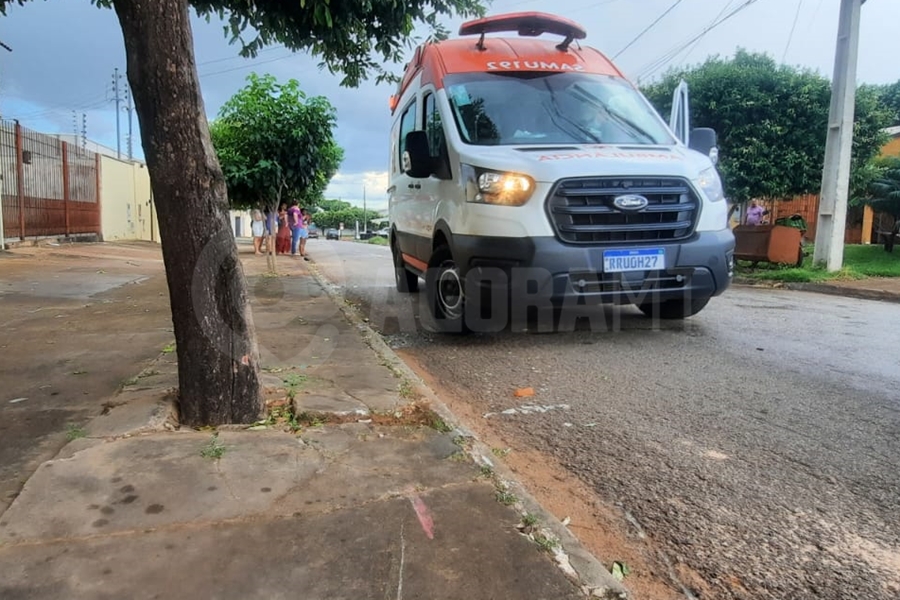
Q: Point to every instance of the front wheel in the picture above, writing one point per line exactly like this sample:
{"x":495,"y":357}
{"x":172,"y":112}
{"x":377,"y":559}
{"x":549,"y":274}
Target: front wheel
{"x":679,"y":308}
{"x":446,"y":294}
{"x":406,"y":281}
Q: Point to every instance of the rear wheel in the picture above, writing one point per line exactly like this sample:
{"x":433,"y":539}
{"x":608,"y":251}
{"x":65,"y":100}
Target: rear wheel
{"x":407,"y":282}
{"x":446,"y":293}
{"x":679,"y":308}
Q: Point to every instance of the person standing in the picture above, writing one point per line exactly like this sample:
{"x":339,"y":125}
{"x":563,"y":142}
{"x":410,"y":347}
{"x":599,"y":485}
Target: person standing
{"x":305,"y":220}
{"x":755,"y":213}
{"x":259,"y":230}
{"x":283,"y":238}
{"x":295,"y":221}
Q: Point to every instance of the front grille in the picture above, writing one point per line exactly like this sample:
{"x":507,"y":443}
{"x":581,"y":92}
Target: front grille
{"x":582,"y":210}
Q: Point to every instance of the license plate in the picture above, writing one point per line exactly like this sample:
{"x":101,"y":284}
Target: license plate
{"x":643,"y":259}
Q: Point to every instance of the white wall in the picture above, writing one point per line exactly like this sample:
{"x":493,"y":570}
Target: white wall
{"x":127,"y":211}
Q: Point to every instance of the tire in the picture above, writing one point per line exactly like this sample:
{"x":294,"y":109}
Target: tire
{"x":446,"y":295}
{"x":674,"y":309}
{"x":406,"y":281}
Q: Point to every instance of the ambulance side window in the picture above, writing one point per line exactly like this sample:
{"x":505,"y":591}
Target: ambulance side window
{"x":407,"y":124}
{"x":434,"y":128}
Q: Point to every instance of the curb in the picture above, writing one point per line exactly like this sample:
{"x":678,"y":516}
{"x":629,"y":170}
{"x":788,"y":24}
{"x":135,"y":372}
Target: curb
{"x":573,"y":559}
{"x":821,"y":288}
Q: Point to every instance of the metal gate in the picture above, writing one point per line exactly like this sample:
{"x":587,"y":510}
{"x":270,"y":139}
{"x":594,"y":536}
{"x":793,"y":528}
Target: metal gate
{"x":50,"y":187}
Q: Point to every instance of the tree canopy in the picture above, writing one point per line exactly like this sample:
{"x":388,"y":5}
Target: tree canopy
{"x":771,"y":121}
{"x":889,"y":96}
{"x":275,"y":144}
{"x":336,"y":212}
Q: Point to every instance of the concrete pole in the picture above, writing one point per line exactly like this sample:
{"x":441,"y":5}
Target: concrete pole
{"x":836,"y":175}
{"x":118,"y":112}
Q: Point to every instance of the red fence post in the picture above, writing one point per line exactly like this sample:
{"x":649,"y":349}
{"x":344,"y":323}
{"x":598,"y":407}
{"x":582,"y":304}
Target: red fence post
{"x":66,"y":194}
{"x":20,"y":181}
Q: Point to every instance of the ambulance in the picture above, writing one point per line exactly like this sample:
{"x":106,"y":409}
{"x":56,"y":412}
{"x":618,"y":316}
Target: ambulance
{"x":528,"y":166}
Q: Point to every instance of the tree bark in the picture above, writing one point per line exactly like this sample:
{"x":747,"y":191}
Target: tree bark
{"x":218,"y":359}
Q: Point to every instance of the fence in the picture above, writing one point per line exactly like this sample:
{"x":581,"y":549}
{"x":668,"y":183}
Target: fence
{"x":807,"y":206}
{"x":50,"y":187}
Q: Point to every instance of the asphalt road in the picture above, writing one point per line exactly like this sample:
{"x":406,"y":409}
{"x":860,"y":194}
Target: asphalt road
{"x":752,"y":451}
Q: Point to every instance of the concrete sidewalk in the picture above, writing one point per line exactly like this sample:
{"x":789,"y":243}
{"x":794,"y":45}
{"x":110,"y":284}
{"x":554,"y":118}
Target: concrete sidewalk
{"x":358,"y":485}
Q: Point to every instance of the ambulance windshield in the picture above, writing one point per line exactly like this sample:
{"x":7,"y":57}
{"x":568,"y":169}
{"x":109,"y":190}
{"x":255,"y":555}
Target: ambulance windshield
{"x":551,"y":108}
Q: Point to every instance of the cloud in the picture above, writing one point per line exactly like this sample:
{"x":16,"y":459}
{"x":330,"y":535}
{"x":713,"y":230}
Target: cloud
{"x":349,"y":186}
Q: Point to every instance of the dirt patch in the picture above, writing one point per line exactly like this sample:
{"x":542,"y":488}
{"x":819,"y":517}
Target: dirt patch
{"x":600,"y":528}
{"x":414,"y":414}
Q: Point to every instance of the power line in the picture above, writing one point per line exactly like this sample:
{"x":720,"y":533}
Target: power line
{"x":697,"y":43}
{"x":667,"y":57}
{"x":247,"y":66}
{"x":233,"y":57}
{"x":648,"y":28}
{"x":793,"y":27}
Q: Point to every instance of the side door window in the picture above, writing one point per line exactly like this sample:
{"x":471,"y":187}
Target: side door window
{"x":437,"y":140}
{"x":407,"y":124}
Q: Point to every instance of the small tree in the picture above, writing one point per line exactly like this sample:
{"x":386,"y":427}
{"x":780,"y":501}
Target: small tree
{"x":275,"y":144}
{"x":218,"y":357}
{"x":884,"y":195}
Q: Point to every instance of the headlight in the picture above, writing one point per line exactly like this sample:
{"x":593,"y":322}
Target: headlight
{"x":711,"y":184}
{"x":497,"y":187}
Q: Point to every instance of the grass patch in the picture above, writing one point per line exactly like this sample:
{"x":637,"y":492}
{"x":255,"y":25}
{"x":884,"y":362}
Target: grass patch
{"x":213,"y":449}
{"x":406,"y":390}
{"x":506,"y":498}
{"x":529,"y":520}
{"x":860,"y":261}
{"x":438,"y":424}
{"x":378,"y":241}
{"x":74,"y":432}
{"x":546,"y":544}
{"x":292,"y":382}
{"x":169,"y":348}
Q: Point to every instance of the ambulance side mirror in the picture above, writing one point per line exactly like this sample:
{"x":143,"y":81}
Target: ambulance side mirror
{"x":417,"y":160}
{"x":704,"y":141}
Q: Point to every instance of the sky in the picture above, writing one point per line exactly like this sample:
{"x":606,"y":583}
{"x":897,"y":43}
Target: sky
{"x":65,"y":53}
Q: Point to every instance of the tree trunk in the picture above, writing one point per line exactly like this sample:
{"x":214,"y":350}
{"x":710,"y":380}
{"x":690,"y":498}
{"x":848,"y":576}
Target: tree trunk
{"x":218,"y":359}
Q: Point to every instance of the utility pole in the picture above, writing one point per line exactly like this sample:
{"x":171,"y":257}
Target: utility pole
{"x":832,"y":220}
{"x":2,"y":236}
{"x":128,"y":107}
{"x":116,"y":78}
{"x":365,"y":222}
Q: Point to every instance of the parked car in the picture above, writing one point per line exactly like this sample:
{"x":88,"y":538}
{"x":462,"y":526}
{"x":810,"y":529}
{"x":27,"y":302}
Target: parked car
{"x":332,"y":234}
{"x":313,"y":231}
{"x":383,"y":232}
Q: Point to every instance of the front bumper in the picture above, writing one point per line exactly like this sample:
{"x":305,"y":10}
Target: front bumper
{"x":544,"y":267}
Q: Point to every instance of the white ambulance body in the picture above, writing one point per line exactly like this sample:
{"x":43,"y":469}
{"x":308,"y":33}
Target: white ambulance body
{"x":533,"y":166}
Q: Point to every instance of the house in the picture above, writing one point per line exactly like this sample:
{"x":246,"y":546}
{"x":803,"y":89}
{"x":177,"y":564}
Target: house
{"x":873,"y":221}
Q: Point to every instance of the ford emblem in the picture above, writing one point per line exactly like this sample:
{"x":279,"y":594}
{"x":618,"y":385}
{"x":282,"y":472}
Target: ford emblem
{"x":630,"y":202}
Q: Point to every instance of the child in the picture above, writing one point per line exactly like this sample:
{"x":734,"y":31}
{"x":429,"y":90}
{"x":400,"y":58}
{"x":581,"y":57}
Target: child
{"x":304,"y":231}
